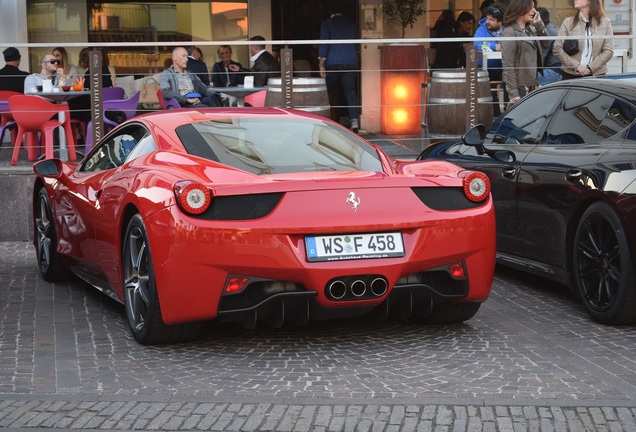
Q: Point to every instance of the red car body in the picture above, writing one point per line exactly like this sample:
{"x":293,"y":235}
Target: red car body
{"x":246,"y":259}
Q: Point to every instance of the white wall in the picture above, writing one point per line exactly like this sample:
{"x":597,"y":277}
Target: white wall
{"x":13,"y":29}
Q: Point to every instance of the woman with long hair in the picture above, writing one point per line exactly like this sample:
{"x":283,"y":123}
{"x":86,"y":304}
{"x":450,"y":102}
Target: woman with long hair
{"x":107,"y":76}
{"x":584,"y":56}
{"x":521,"y":57}
{"x":65,"y":70}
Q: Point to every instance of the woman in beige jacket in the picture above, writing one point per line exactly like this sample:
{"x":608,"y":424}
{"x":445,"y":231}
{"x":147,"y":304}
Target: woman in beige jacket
{"x":593,"y":54}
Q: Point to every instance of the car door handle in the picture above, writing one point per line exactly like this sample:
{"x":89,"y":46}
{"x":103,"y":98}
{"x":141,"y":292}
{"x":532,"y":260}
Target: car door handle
{"x":509,"y":172}
{"x":574,"y":176}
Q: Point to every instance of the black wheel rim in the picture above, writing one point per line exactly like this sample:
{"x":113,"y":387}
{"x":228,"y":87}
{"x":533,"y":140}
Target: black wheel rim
{"x":136,"y":279}
{"x":598,"y":263}
{"x":44,"y":234}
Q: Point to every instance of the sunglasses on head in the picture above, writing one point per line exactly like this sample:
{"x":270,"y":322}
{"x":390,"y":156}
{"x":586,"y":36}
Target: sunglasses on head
{"x":54,"y":61}
{"x":493,"y":10}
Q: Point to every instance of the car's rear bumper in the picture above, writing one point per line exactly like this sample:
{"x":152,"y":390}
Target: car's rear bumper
{"x":193,"y":264}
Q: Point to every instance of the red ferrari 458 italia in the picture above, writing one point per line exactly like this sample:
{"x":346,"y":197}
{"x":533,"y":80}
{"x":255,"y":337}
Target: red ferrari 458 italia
{"x":271,"y":215}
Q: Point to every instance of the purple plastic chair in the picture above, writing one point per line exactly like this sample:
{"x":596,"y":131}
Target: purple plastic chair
{"x":9,"y":125}
{"x":110,"y":93}
{"x":127,"y":106}
{"x":167,"y":103}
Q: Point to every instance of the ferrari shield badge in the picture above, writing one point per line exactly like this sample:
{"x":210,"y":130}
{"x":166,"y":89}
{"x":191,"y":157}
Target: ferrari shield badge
{"x":353,"y":201}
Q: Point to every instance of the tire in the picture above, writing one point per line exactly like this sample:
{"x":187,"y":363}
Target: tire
{"x":602,"y":267}
{"x":141,"y":299}
{"x":451,"y":313}
{"x":49,"y":261}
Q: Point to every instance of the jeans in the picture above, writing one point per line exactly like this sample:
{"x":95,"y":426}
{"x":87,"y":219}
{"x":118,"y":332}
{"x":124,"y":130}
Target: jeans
{"x":548,"y":76}
{"x":345,"y":77}
{"x":208,"y":101}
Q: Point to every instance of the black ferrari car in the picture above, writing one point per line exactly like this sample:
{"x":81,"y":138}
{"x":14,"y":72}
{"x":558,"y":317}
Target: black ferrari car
{"x":562,"y":165}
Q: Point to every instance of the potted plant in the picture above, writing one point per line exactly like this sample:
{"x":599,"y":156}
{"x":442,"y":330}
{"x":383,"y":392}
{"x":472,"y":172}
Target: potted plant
{"x":403,"y":12}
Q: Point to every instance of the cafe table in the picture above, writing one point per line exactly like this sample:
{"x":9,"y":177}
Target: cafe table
{"x":238,"y":92}
{"x":62,"y":97}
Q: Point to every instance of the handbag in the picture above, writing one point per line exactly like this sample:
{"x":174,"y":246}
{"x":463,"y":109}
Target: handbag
{"x":148,"y":91}
{"x":571,"y":46}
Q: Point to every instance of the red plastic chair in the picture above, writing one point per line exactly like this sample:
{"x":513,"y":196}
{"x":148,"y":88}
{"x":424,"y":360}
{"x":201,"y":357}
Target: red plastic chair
{"x":166,"y":103}
{"x":127,"y":106}
{"x":6,"y":119}
{"x":34,"y":114}
{"x":256,"y":99}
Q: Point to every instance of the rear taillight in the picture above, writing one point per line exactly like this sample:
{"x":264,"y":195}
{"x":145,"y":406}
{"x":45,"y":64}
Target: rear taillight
{"x":193,"y":197}
{"x":476,"y":186}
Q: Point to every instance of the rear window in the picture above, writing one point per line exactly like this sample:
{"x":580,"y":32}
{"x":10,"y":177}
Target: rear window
{"x":274,"y":146}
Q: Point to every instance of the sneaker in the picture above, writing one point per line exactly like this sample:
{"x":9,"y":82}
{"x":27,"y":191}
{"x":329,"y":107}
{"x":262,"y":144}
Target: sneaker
{"x":354,"y":125}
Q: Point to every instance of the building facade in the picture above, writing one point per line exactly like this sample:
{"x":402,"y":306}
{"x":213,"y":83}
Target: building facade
{"x":140,"y":35}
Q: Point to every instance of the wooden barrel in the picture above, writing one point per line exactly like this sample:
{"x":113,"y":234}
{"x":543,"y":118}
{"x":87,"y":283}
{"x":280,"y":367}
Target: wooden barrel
{"x":309,"y":94}
{"x":447,"y":107}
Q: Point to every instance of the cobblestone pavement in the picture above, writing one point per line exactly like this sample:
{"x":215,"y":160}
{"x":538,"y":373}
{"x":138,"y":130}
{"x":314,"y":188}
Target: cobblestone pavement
{"x":530,"y":359}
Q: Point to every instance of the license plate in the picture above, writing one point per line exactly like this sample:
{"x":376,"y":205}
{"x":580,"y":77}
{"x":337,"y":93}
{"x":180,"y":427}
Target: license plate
{"x":354,"y":246}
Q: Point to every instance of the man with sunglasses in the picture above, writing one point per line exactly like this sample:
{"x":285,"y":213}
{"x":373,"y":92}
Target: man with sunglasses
{"x":33,"y":83}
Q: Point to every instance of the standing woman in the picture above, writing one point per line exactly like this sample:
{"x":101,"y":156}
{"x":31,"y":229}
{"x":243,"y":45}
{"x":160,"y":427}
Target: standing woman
{"x":521,"y":58}
{"x":585,"y":56}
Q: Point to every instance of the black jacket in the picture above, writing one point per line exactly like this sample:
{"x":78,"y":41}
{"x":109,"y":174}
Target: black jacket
{"x":220,"y":75}
{"x":200,"y":69}
{"x":12,"y":78}
{"x":265,"y":67}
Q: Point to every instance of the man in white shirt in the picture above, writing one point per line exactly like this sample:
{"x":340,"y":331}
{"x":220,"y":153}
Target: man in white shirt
{"x":33,"y":83}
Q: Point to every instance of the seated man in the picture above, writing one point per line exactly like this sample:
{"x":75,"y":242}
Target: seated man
{"x":12,"y":78}
{"x":264,"y":64}
{"x":186,"y":88}
{"x":33,"y":82}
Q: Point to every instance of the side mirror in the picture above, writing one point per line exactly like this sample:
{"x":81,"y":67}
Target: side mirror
{"x":48,"y":168}
{"x":475,"y":136}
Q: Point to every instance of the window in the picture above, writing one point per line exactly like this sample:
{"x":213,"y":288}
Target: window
{"x":127,"y":144}
{"x":272,"y":146}
{"x":620,"y":115}
{"x":580,"y":118}
{"x":525,"y":122}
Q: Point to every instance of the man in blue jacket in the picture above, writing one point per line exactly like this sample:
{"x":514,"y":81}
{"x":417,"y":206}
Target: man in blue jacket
{"x":491,"y":26}
{"x":338,"y":63}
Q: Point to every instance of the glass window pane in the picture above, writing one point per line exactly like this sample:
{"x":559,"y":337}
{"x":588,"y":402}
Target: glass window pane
{"x":525,"y":122}
{"x":580,"y":118}
{"x":620,"y":115}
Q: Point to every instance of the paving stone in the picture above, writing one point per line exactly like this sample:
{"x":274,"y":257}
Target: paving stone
{"x":529,"y":360}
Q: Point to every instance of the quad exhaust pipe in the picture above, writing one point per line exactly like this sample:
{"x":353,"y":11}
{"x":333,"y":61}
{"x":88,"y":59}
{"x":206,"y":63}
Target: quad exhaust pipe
{"x":356,"y":287}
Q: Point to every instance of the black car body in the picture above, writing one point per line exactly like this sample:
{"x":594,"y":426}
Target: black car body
{"x":562,"y":165}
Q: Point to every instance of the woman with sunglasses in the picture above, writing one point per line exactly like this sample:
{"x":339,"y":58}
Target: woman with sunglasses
{"x":66,"y":70}
{"x":33,"y":83}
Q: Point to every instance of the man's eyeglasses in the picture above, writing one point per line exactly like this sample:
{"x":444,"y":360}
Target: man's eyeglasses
{"x":54,"y":61}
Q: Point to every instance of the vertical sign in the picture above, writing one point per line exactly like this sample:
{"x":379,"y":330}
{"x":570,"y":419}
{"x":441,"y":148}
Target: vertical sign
{"x":287,"y":77}
{"x":95,"y":70}
{"x":472,"y":79}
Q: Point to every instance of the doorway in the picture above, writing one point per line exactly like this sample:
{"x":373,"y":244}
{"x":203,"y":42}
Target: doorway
{"x":301,"y":20}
